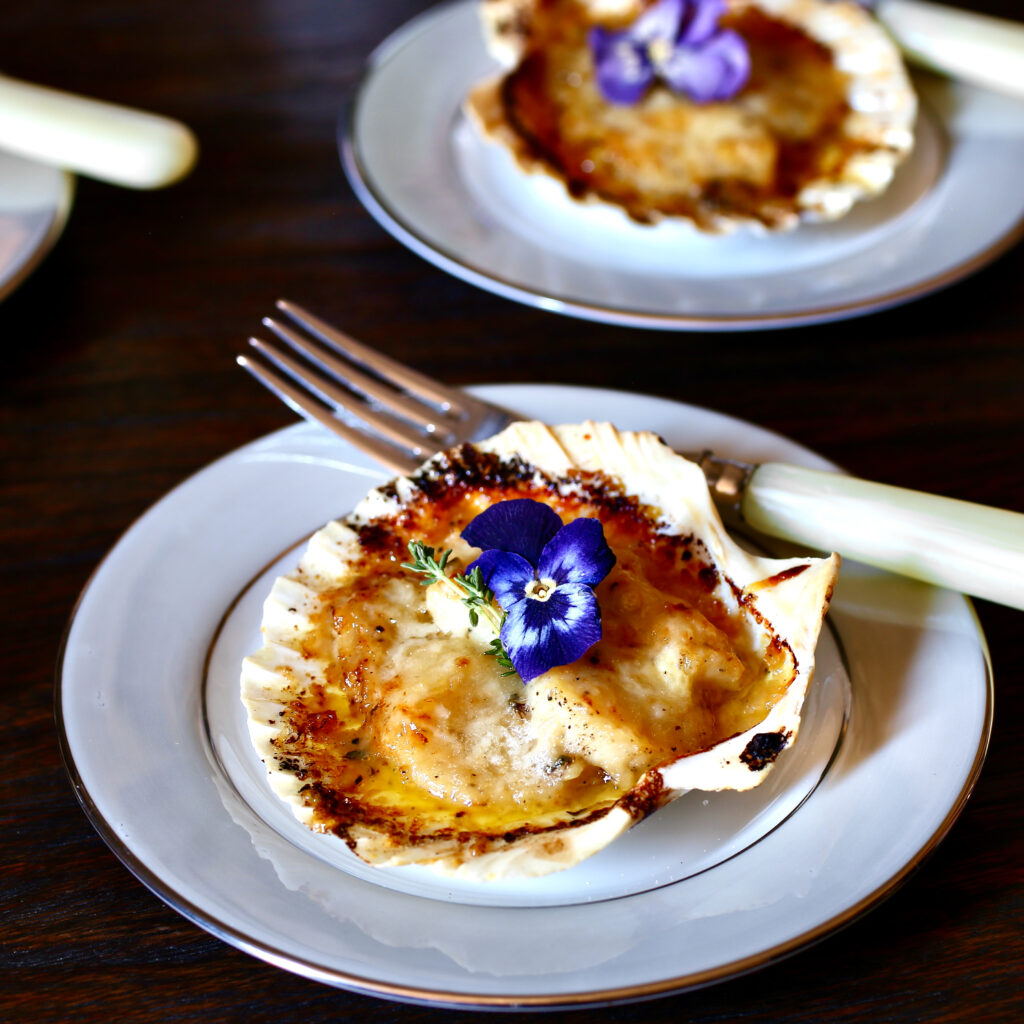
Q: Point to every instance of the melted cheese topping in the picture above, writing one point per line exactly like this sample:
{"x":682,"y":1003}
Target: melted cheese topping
{"x":825,"y":117}
{"x":414,"y":733}
{"x":667,"y":154}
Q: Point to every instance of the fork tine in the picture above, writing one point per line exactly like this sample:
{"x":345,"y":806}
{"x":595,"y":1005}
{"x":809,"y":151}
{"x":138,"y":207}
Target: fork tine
{"x":374,"y":388}
{"x":449,"y":399}
{"x":362,"y":408}
{"x":310,"y":408}
{"x":333,"y":394}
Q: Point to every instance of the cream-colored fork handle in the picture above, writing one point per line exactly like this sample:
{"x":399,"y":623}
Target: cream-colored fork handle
{"x":102,"y":140}
{"x":957,"y":544}
{"x":980,"y":49}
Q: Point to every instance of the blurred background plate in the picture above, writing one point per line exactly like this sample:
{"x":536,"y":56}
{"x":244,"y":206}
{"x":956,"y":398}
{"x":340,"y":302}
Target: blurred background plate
{"x":35,"y":201}
{"x":423,"y":172}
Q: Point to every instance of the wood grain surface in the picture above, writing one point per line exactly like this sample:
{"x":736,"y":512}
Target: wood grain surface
{"x":119,"y":381}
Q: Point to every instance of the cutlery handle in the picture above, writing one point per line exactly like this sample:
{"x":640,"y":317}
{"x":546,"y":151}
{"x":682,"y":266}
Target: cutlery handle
{"x":974,"y":47}
{"x":101,"y":140}
{"x":957,"y":544}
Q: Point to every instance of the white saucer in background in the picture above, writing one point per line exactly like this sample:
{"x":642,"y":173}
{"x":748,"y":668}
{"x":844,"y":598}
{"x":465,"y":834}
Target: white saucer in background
{"x":423,"y":172}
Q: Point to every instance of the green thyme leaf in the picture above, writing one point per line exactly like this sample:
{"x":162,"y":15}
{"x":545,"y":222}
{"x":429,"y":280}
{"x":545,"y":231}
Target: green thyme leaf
{"x":501,"y":656}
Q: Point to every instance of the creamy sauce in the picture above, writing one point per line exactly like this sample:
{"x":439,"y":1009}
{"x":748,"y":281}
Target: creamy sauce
{"x":416,"y":733}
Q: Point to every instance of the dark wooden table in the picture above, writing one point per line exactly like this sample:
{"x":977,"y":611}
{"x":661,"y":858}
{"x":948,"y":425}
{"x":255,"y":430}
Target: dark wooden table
{"x":119,"y":381}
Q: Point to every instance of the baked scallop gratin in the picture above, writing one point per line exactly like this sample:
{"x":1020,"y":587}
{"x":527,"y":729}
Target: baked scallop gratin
{"x":825,"y":116}
{"x":382,"y":718}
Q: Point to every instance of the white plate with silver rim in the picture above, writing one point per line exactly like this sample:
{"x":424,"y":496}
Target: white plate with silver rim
{"x":423,"y":172}
{"x":153,"y":735}
{"x":35,"y":201}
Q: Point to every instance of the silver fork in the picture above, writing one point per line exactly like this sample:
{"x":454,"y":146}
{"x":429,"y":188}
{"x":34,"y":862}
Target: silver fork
{"x":378,"y":405}
{"x":401,"y":417}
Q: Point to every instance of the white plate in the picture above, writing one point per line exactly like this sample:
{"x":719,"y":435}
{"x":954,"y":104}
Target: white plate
{"x":153,"y":735}
{"x":35,"y":201}
{"x":423,"y":173}
{"x":693,"y":834}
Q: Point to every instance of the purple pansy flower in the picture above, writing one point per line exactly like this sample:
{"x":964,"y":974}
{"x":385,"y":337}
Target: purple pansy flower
{"x":678,"y":41}
{"x":543,"y":575}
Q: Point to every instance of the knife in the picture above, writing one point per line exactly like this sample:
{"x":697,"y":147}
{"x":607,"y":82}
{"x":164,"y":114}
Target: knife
{"x":976,"y":48}
{"x":100,"y":140}
{"x":967,"y":547}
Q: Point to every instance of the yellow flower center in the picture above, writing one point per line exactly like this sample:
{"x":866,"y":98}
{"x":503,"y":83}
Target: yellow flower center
{"x":540,"y":590}
{"x":659,"y":50}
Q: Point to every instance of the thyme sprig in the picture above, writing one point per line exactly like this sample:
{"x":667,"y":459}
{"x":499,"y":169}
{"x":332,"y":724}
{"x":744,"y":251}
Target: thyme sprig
{"x":504,"y":661}
{"x":470,"y":589}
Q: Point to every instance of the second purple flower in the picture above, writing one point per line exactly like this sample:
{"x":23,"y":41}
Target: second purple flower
{"x":678,"y":41}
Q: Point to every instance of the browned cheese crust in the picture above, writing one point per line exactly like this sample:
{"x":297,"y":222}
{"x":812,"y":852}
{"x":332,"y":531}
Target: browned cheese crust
{"x":375,"y":748}
{"x":745,"y":160}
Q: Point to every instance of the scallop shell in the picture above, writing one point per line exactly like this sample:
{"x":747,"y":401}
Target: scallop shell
{"x":780,"y":603}
{"x":876,"y":134}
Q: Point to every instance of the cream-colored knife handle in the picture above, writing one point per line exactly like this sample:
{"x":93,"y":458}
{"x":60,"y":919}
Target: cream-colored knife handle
{"x":975,"y":47}
{"x":101,"y":140}
{"x":958,"y":544}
